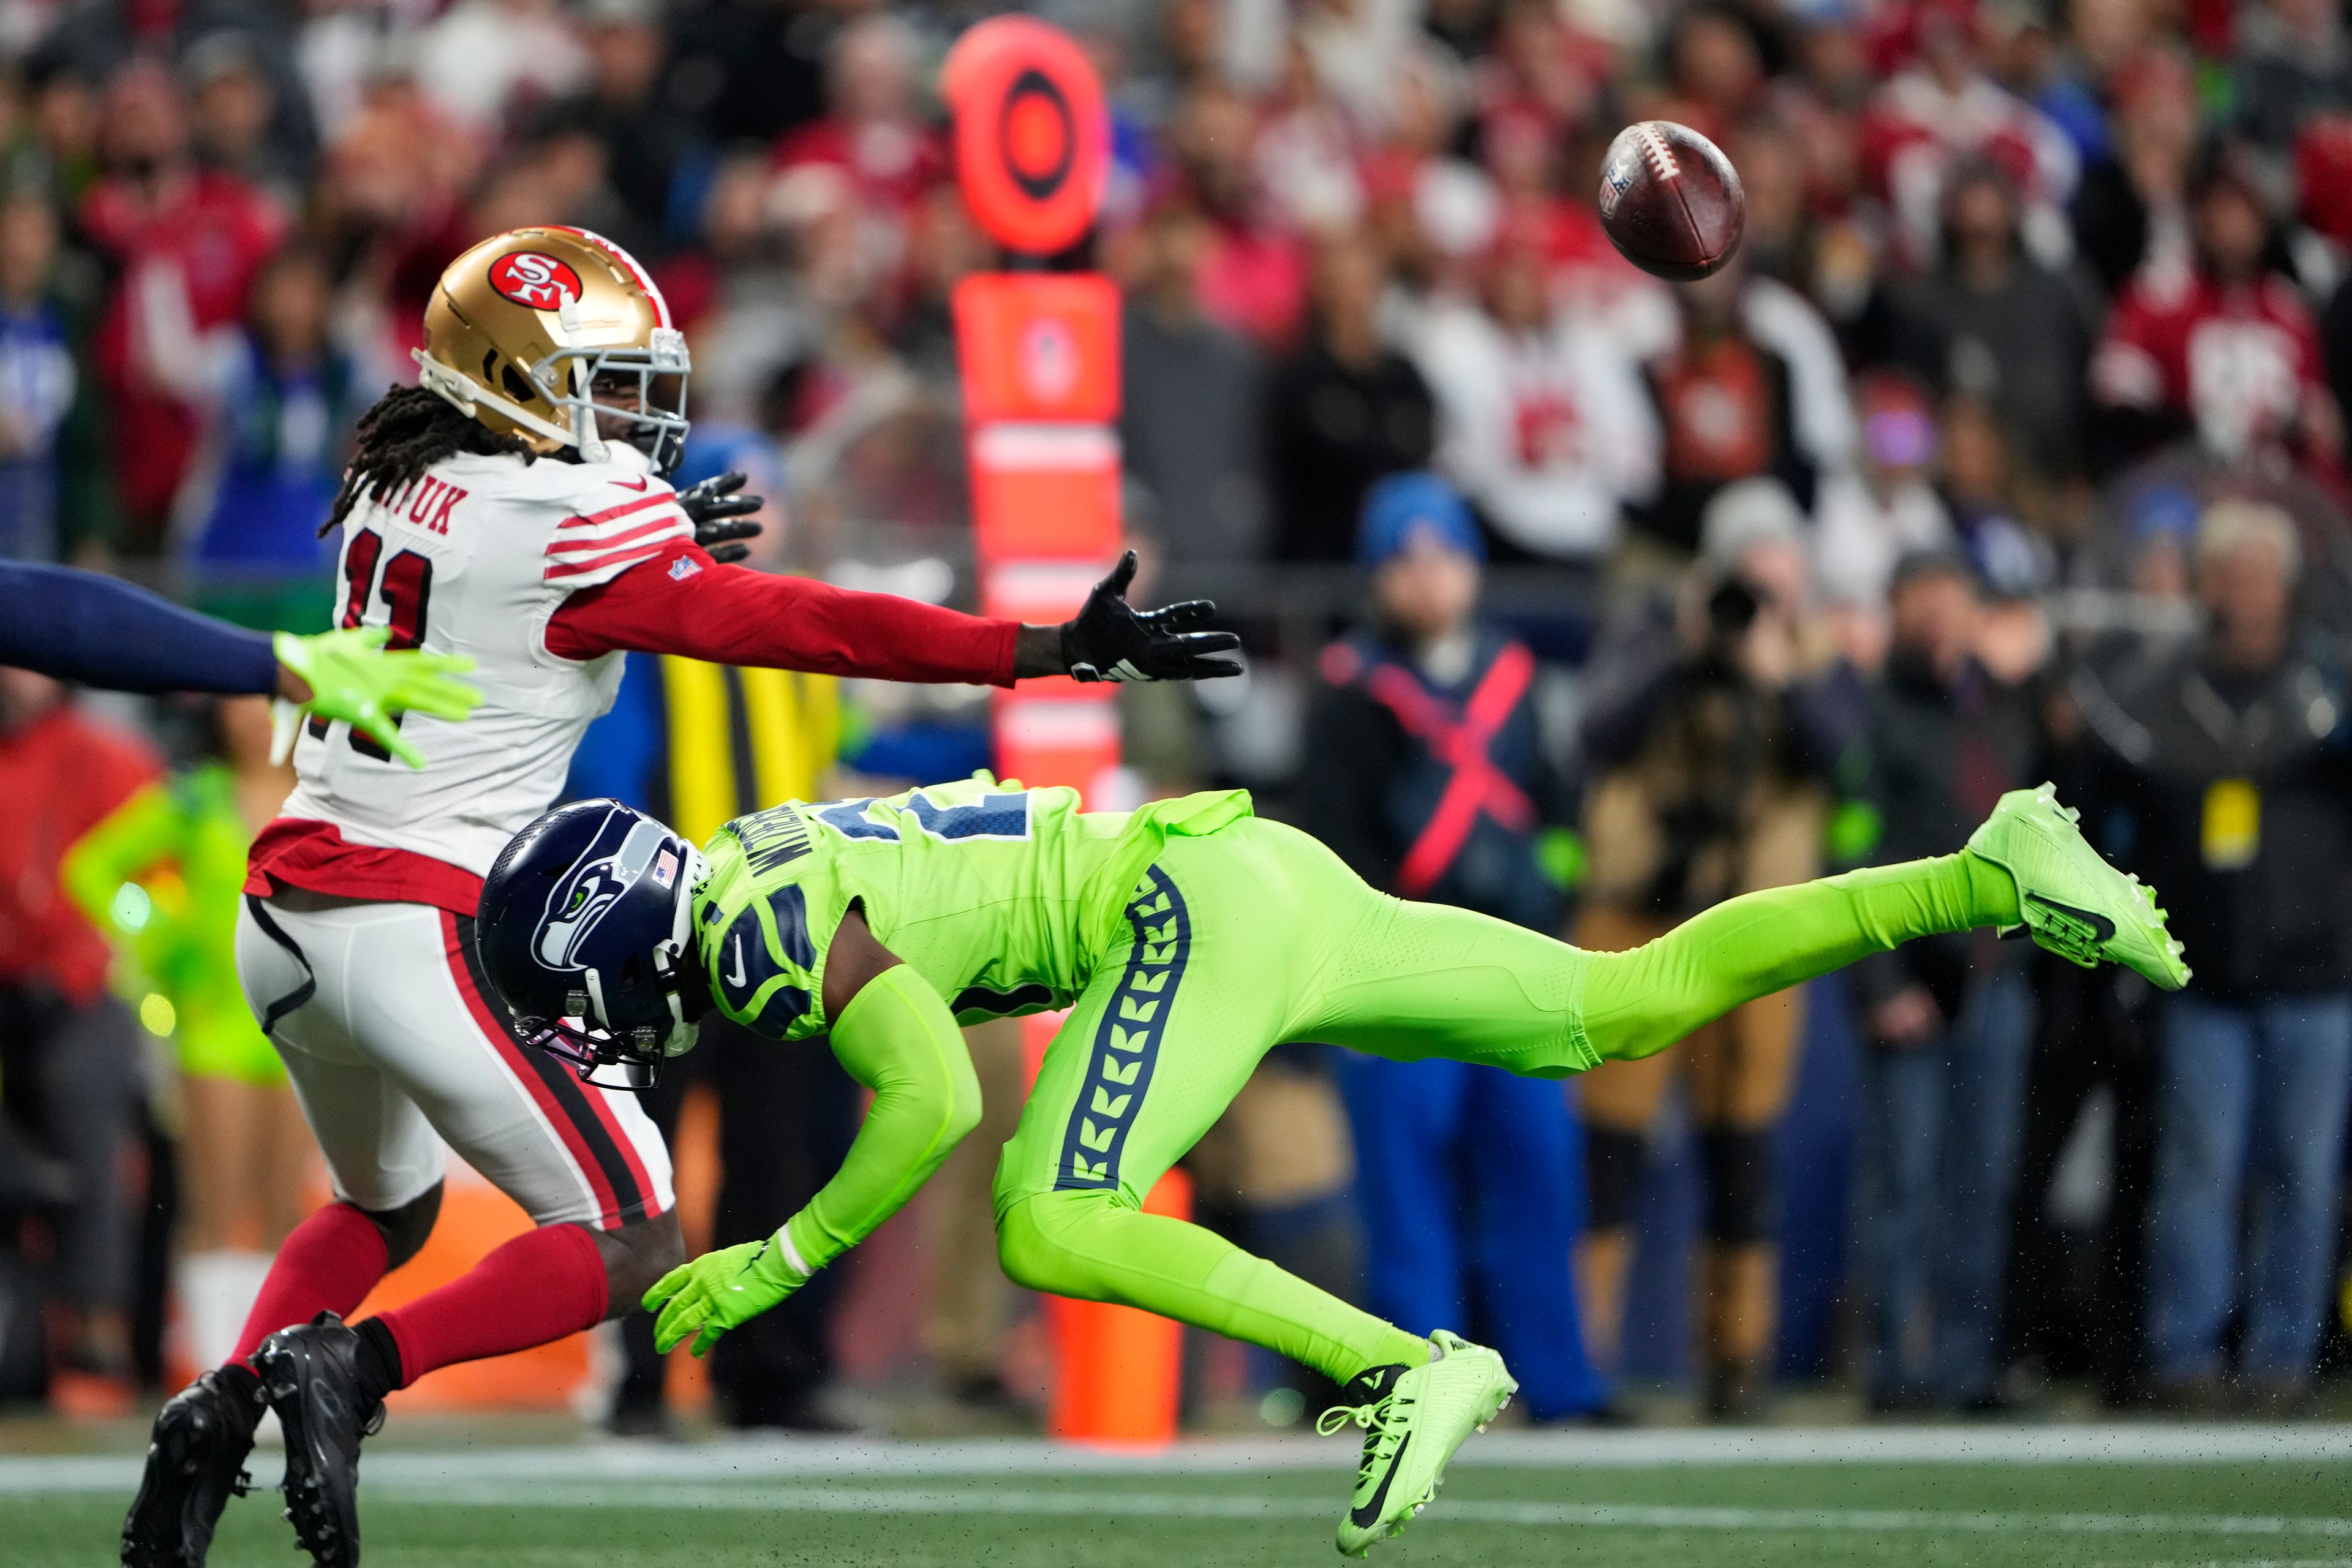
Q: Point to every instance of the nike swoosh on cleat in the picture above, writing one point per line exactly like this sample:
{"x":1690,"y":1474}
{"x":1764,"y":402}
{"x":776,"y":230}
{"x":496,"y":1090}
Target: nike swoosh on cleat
{"x":2101,"y":928}
{"x":1363,"y":1518}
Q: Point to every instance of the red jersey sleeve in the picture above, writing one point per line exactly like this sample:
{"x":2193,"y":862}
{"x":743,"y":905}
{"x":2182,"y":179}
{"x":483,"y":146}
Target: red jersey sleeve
{"x":682,"y":602}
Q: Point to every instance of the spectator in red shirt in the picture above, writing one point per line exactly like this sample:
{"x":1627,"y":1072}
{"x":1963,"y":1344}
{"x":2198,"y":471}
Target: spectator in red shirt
{"x":870,"y":128}
{"x":2224,"y":349}
{"x":1750,"y":387}
{"x":1946,"y":109}
{"x":1537,"y":66}
{"x":183,"y":243}
{"x":1591,"y":281}
{"x":68,"y":1053}
{"x":1305,"y":150}
{"x":1414,"y":151}
{"x":872,"y":133}
{"x":1253,"y":275}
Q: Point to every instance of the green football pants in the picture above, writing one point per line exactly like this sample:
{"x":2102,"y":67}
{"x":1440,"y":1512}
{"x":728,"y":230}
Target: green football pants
{"x":1256,"y":935}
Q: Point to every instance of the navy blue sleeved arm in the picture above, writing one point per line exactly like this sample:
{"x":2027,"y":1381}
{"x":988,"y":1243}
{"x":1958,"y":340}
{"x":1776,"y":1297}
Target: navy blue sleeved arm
{"x":92,"y":629}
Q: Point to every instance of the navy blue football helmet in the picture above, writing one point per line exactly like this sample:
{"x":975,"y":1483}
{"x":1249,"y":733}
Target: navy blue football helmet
{"x":585,"y":929}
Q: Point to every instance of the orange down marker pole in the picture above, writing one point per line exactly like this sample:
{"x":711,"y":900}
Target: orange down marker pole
{"x":1039,"y":357}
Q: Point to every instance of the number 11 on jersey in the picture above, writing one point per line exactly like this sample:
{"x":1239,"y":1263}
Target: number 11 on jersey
{"x":406,"y":586}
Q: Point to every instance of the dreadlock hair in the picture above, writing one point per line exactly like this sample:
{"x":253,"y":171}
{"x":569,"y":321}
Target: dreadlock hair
{"x":408,"y":431}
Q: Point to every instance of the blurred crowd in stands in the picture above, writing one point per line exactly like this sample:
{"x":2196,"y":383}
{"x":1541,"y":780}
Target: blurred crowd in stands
{"x":2011,"y":447}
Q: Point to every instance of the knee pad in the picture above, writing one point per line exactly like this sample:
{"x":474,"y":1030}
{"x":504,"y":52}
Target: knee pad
{"x":404,"y":1229}
{"x":1743,"y":1195}
{"x":1614,"y":1159}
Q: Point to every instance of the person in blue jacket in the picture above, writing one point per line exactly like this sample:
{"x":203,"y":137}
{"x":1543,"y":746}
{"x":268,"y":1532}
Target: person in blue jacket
{"x":283,"y":396}
{"x":1425,"y":773}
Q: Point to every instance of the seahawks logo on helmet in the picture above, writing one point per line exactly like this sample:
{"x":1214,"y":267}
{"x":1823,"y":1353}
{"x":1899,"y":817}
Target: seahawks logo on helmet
{"x":582,"y":899}
{"x":582,"y":926}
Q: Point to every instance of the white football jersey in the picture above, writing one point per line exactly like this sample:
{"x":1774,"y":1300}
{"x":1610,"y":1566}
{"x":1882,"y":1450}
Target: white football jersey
{"x":473,"y":559}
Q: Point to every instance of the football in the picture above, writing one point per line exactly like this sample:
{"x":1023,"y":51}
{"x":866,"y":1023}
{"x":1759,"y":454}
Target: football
{"x":1671,"y":200}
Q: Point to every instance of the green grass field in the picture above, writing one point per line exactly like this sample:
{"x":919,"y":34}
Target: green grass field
{"x":1012,"y":1506}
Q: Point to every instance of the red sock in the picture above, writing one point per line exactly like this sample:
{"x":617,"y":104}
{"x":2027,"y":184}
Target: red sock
{"x":536,"y":1288}
{"x":327,"y":1265}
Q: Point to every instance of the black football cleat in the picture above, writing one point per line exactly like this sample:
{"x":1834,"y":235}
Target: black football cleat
{"x":311,"y":1376}
{"x":195,"y":1463}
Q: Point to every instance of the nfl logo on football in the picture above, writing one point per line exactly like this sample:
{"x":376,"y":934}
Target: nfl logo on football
{"x":1614,"y":182}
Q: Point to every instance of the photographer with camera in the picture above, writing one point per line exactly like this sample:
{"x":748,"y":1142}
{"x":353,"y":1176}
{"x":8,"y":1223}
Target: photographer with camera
{"x":1709,"y":771}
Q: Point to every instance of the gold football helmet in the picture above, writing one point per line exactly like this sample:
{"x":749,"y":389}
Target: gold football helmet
{"x":558,"y":336}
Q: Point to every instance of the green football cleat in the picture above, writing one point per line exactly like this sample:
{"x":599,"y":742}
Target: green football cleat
{"x":1413,"y":1418}
{"x":2075,"y":904}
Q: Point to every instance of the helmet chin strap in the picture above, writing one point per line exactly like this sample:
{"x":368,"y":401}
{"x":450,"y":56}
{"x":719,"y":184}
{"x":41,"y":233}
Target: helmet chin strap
{"x":585,"y":434}
{"x":602,"y":1019}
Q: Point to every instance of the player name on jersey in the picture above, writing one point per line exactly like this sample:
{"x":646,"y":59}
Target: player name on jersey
{"x":773,"y":838}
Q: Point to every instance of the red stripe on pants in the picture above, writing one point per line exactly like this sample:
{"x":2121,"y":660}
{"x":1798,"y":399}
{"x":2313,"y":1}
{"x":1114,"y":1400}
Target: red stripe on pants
{"x":565,"y":1118}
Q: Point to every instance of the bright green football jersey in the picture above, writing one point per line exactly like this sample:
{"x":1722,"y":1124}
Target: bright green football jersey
{"x":1003,"y":899}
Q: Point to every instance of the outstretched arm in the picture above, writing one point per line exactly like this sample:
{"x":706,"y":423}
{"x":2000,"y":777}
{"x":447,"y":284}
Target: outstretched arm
{"x":92,"y":629}
{"x":895,"y":1036}
{"x":683,"y":602}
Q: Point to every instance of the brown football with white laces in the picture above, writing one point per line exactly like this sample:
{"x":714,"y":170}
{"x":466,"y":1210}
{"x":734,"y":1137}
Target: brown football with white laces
{"x":1671,"y":200}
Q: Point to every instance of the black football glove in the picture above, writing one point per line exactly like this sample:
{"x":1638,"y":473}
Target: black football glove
{"x":1110,"y":641}
{"x":718,"y":515}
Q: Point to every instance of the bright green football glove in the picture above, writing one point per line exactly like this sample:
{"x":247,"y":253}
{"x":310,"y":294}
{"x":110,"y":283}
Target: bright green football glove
{"x":719,"y":1290}
{"x":352,"y":678}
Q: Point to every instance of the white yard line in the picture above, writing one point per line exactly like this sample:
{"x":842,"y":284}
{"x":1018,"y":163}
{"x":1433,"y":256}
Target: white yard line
{"x":1080,"y":1503}
{"x":750,"y":1459}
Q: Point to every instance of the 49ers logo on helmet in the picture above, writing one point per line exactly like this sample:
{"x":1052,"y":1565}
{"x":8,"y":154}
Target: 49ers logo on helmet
{"x":535,"y":281}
